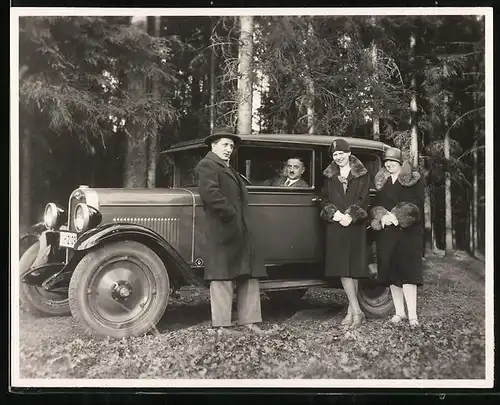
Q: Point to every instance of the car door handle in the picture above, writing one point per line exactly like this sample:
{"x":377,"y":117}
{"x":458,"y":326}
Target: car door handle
{"x":316,"y":199}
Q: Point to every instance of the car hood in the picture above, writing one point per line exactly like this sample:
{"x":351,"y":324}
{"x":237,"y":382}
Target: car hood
{"x":146,"y":196}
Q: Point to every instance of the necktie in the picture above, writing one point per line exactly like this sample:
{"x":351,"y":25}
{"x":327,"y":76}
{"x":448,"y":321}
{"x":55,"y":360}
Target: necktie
{"x":287,"y":183}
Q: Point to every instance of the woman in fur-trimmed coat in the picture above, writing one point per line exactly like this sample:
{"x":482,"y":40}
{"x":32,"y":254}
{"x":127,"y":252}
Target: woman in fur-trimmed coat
{"x":397,"y":217}
{"x":344,"y":203}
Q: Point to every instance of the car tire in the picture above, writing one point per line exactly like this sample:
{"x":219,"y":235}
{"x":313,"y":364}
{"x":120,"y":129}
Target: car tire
{"x":286,"y":295}
{"x":35,"y":299}
{"x":95,"y":302}
{"x":374,"y":299}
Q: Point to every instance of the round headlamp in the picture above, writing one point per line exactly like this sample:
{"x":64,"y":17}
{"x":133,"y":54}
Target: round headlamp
{"x":53,"y":216}
{"x":82,"y":217}
{"x":85,"y":216}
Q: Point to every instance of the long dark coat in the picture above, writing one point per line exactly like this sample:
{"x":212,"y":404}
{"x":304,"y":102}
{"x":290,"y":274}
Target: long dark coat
{"x":346,"y":248}
{"x":399,"y":248}
{"x":228,"y":250}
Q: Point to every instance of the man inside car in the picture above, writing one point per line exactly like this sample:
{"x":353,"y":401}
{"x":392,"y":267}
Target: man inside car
{"x":292,"y":175}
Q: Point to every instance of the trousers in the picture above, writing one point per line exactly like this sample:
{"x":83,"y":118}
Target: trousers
{"x":248,"y":302}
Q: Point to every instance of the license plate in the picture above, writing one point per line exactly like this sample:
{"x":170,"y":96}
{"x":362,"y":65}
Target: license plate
{"x":67,"y":239}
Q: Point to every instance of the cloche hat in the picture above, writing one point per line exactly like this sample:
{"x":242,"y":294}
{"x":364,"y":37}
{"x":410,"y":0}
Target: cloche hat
{"x":393,"y":154}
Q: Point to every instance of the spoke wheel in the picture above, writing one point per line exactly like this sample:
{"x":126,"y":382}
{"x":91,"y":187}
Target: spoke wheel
{"x":35,"y":299}
{"x":119,"y":290}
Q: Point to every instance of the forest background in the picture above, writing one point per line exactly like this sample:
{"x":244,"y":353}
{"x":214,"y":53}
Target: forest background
{"x":101,"y":97}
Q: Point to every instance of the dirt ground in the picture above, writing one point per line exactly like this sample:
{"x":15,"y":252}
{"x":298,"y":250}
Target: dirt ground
{"x":304,"y":340}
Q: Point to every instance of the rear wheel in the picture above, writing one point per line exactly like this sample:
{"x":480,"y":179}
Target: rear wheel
{"x":374,"y":298}
{"x":119,"y":290}
{"x":35,"y":299}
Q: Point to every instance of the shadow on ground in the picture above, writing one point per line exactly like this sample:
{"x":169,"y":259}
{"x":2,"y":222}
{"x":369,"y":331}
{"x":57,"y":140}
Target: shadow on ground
{"x":181,"y":315}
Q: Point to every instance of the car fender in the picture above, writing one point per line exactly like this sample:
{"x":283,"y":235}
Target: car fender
{"x":179,"y":270}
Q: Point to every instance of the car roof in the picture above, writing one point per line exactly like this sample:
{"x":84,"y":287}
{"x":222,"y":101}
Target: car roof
{"x":288,"y":139}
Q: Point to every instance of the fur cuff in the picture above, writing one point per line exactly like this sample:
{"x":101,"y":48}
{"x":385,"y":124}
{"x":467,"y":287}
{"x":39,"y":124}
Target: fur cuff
{"x":356,"y":213}
{"x":406,"y":213}
{"x":328,"y":212}
{"x":377,"y":214}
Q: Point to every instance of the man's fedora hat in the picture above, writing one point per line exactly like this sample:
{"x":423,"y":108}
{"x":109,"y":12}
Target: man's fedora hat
{"x":393,"y":154}
{"x":222,"y":132}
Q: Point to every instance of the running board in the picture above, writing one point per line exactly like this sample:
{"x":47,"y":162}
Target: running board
{"x":276,"y":285}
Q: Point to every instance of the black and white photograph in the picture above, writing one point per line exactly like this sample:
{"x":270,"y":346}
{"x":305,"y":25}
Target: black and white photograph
{"x":252,"y":197}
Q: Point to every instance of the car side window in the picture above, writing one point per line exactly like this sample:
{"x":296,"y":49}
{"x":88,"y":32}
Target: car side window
{"x":272,"y":166}
{"x":371,"y":161}
{"x":185,"y":164}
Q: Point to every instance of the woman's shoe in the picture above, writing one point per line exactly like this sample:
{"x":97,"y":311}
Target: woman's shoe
{"x":358,"y":319}
{"x":347,"y":320}
{"x":398,"y":318}
{"x":414,"y":323}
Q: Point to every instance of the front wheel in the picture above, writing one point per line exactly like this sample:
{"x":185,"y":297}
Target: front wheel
{"x":119,"y":290}
{"x":375,"y":299}
{"x":35,"y":299}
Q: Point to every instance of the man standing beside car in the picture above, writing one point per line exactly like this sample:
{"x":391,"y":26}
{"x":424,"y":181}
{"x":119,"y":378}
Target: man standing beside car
{"x":228,"y":252}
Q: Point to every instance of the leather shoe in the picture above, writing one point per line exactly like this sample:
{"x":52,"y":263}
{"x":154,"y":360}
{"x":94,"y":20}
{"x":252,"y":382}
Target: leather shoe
{"x":253,"y":328}
{"x":347,"y":320}
{"x":358,"y":319}
{"x":227,"y":330}
{"x":397,"y":318}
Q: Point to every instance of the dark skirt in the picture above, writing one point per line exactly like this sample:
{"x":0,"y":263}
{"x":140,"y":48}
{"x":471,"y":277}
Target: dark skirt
{"x":399,"y":256}
{"x":346,"y":251}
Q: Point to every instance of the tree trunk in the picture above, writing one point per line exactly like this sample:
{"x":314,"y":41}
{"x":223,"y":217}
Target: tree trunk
{"x":475,"y":199}
{"x":245,"y":75}
{"x":136,"y":158}
{"x":155,"y":30}
{"x":212,"y":79}
{"x":430,"y":240}
{"x":311,"y":129}
{"x":448,"y":206}
{"x":376,"y":119}
{"x":475,"y":179}
{"x":470,"y":218}
{"x":310,"y":105}
{"x":413,"y":104}
{"x":25,"y":182}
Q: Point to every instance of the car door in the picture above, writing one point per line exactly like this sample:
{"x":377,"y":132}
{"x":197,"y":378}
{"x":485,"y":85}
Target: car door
{"x":284,"y":220}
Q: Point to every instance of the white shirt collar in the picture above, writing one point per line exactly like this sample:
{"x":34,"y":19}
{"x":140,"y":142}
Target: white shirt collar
{"x":289,"y":182}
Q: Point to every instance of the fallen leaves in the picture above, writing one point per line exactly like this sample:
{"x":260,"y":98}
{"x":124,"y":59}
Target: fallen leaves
{"x":450,"y":343}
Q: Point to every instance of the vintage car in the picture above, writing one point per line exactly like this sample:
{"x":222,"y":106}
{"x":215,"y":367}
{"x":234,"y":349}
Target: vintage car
{"x":113,"y":257}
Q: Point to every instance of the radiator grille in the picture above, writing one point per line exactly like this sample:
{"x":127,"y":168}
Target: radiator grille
{"x":166,"y":227}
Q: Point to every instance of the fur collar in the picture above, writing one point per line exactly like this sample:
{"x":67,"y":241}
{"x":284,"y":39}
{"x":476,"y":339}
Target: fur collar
{"x":357,"y":168}
{"x":406,"y":178}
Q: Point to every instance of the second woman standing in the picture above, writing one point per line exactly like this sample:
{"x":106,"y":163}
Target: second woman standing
{"x":344,"y":203}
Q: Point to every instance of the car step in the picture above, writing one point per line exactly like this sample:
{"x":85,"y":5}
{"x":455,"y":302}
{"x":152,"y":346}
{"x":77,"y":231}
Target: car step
{"x":290,"y":284}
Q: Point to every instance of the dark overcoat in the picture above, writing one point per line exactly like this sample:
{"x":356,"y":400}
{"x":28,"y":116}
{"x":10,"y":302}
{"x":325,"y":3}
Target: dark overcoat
{"x":399,"y":248}
{"x":228,"y":249}
{"x":346,"y":247}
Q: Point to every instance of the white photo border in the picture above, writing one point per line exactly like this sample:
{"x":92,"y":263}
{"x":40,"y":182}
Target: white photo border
{"x":17,"y":382}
